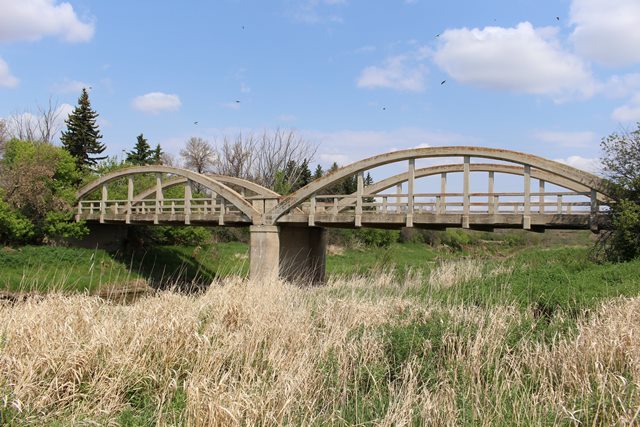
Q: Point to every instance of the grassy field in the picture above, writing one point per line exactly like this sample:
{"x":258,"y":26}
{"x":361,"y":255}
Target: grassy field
{"x":405,"y":335}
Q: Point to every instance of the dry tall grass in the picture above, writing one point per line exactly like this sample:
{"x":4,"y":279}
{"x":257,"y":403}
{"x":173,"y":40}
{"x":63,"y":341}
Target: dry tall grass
{"x":248,"y":353}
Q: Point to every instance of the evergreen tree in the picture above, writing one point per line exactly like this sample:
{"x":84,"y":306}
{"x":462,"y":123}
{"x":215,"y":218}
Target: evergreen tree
{"x":318,"y":172}
{"x":142,"y":153}
{"x":304,"y":176}
{"x":156,"y":156}
{"x":82,"y":136}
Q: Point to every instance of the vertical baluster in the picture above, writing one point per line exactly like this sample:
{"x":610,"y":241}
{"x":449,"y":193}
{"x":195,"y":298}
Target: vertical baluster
{"x":559,"y":208}
{"x":359,"y":191}
{"x":187,"y":201}
{"x":158,"y":198}
{"x":491,"y":199}
{"x":466,"y":198}
{"x":410,"y":191}
{"x":103,"y":202}
{"x":335,"y":206}
{"x":593,"y":218}
{"x":127,"y":218}
{"x":541,"y":197}
{"x":526,"y":220}
{"x":222,"y":212}
{"x":443,"y":193}
{"x":312,"y":211}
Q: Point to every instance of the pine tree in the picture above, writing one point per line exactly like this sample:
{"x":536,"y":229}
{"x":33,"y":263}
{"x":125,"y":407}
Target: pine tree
{"x":318,"y":172}
{"x":142,"y":153}
{"x":82,"y":136}
{"x":156,"y":155}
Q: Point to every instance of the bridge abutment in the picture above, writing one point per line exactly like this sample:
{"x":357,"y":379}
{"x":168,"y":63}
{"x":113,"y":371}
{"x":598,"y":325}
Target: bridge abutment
{"x":293,"y":253}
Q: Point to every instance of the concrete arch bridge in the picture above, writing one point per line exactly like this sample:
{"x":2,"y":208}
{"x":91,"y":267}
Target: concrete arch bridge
{"x":288,"y":232}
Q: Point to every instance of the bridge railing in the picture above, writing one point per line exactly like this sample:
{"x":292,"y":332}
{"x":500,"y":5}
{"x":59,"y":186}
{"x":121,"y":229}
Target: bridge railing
{"x":548,"y":202}
{"x":126,"y":210}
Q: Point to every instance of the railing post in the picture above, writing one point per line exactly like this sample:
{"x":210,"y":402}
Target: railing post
{"x":158,"y":197}
{"x":187,"y":202}
{"x":442,"y":209}
{"x":491,"y":208}
{"x":359,"y":191}
{"x":541,"y":198}
{"x":79,"y":214}
{"x":526,"y":218}
{"x":593,"y":218}
{"x":410,"y":191}
{"x":222,"y":212}
{"x":559,"y":204}
{"x":312,"y":211}
{"x":103,"y":202}
{"x":127,"y":218}
{"x":384,"y":204}
{"x":466,"y":199}
{"x":335,"y":206}
{"x":398,"y":198}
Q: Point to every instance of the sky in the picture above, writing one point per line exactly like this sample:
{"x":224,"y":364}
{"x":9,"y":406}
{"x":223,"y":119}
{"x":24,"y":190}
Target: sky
{"x":353,"y":77}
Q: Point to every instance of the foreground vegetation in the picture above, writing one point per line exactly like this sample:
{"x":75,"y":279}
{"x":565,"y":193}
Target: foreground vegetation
{"x":542,"y":336}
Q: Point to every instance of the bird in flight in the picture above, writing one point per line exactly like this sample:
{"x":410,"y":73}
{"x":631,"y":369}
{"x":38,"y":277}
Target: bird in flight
{"x":237,"y":101}
{"x":384,"y":108}
{"x":195,"y":123}
{"x":442,"y":82}
{"x":557,"y":18}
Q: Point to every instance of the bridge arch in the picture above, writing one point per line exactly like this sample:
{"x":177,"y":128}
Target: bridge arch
{"x":400,"y":178}
{"x":565,"y":173}
{"x":212,"y":184}
{"x":257,"y":189}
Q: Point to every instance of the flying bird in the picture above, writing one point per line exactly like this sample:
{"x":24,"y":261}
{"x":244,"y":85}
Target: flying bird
{"x":384,"y":108}
{"x":237,"y":102}
{"x":195,"y":123}
{"x":437,"y":35}
{"x":557,"y":18}
{"x":442,"y":82}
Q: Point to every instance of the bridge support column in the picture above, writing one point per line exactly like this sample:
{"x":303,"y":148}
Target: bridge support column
{"x":293,"y":253}
{"x":264,"y":257}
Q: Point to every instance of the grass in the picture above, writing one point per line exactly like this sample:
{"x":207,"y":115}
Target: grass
{"x":406,"y":335}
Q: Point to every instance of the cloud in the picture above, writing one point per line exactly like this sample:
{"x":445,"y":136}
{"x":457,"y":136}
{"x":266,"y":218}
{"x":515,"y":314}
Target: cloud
{"x":34,"y":19}
{"x":35,"y":121}
{"x":585,"y":163}
{"x":520,"y":59}
{"x":607,"y":31}
{"x":629,"y":112}
{"x":567,"y":139}
{"x":6,"y":78}
{"x":70,"y":86}
{"x":156,"y":102}
{"x":402,"y":72}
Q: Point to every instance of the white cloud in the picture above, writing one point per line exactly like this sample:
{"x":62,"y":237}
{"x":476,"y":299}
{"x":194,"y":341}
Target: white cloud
{"x":607,"y":31}
{"x":330,"y":158}
{"x":402,"y":72}
{"x":585,"y":163}
{"x":520,"y":59}
{"x":6,"y":78}
{"x":34,"y":19}
{"x":156,"y":102}
{"x":70,"y":86}
{"x":567,"y":139}
{"x":629,"y":112}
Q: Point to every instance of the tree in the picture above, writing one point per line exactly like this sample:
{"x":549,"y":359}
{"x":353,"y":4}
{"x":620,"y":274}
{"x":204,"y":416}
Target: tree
{"x":141,"y":154}
{"x":199,"y":155}
{"x":318,"y":172}
{"x":157,"y":156}
{"x":41,"y":126}
{"x":37,"y":183}
{"x":621,"y":165}
{"x":82,"y":137}
{"x":4,"y":135}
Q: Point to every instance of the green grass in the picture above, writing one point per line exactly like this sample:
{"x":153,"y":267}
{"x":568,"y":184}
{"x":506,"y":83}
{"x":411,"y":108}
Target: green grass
{"x":41,"y":268}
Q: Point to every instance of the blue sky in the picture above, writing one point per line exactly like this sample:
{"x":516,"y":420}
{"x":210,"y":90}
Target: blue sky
{"x":355,"y":77}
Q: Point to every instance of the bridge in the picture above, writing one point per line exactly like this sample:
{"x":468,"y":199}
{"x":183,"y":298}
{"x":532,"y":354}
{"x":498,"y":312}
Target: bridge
{"x":288,"y":232}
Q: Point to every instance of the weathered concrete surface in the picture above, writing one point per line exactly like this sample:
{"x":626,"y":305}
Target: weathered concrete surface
{"x":264,"y":255}
{"x":294,"y":253}
{"x":303,"y":252}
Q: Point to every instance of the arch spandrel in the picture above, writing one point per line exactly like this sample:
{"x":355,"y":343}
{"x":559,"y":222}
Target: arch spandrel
{"x":227,"y":193}
{"x":568,"y":172}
